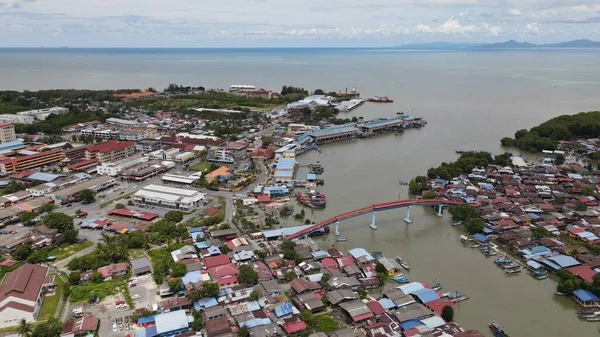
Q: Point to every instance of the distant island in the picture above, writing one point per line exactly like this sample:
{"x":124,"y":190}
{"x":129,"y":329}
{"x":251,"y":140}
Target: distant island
{"x":512,"y":44}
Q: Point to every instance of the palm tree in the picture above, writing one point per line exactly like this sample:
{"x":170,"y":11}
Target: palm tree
{"x":25,"y":328}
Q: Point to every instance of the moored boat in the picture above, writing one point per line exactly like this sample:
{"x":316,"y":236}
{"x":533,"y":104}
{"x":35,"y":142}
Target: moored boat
{"x":458,"y":223}
{"x":497,"y":329}
{"x":378,"y":99}
{"x":400,"y":278}
{"x":312,"y":199}
{"x":402,"y":263}
{"x":341,"y":239}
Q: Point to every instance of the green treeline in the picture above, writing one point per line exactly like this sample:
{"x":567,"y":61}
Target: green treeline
{"x":54,"y":123}
{"x":546,"y":135}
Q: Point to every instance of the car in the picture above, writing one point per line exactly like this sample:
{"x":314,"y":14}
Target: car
{"x":69,"y":205}
{"x":121,"y":305}
{"x":115,"y":329}
{"x":121,"y":327}
{"x":120,"y":320}
{"x":126,"y":319}
{"x":127,"y":327}
{"x":135,"y":297}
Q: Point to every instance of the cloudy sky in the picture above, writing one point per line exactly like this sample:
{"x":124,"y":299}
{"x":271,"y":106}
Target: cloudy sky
{"x":295,"y":23}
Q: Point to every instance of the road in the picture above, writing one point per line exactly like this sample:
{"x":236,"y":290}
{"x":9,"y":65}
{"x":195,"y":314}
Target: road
{"x":62,"y":264}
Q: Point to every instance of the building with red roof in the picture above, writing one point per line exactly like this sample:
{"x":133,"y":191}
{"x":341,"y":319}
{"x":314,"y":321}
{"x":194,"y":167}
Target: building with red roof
{"x":81,"y":326}
{"x":437,"y":305}
{"x":83,"y":165}
{"x":262,"y":154}
{"x":376,"y":308}
{"x":22,"y":293}
{"x":218,"y":272}
{"x":329,"y":263}
{"x":114,"y":269}
{"x":345,"y":261}
{"x":219,"y":260}
{"x":583,"y":272}
{"x":133,"y":214}
{"x":111,"y":151}
{"x":39,"y":159}
{"x":228,"y":282}
{"x":293,"y":325}
{"x":263,"y":198}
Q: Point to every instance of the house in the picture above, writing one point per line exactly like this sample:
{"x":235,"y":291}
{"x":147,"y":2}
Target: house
{"x":269,"y":287}
{"x":214,"y":313}
{"x":140,"y":266}
{"x":293,"y":325}
{"x":175,"y":303}
{"x":22,"y":293}
{"x":344,"y":282}
{"x":81,"y":326}
{"x":341,"y":295}
{"x":358,"y":311}
{"x":310,"y":301}
{"x":219,"y":326}
{"x":301,"y":285}
{"x":219,"y":260}
{"x":113,"y":270}
{"x":44,"y":231}
{"x":392,"y":267}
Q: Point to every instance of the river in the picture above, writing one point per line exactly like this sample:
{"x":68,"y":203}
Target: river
{"x":470,"y":99}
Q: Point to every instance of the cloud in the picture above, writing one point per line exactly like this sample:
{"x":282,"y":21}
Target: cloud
{"x":532,"y":28}
{"x":514,"y":12}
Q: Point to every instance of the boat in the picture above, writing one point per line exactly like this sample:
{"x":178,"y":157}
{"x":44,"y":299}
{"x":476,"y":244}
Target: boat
{"x":377,"y":255}
{"x":320,"y":181}
{"x":341,"y":239}
{"x":497,"y":329}
{"x":378,"y":99}
{"x":489,"y":252}
{"x":460,"y":151}
{"x":558,"y":293}
{"x":512,"y":268}
{"x":402,"y":263}
{"x":476,"y":246}
{"x":586,"y":313}
{"x":539,"y":274}
{"x":437,"y":287}
{"x":458,"y":223}
{"x":312,"y":199}
{"x":400,"y":278}
{"x":373,"y":226}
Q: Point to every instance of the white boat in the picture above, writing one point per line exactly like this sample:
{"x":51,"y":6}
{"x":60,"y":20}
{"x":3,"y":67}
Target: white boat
{"x":373,"y":226}
{"x":402,"y":263}
{"x":341,"y":239}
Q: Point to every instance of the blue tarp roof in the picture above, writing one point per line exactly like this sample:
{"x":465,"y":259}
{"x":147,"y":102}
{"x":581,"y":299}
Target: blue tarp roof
{"x":192,"y":277}
{"x":411,"y":323}
{"x":201,"y":245}
{"x":585,"y":295}
{"x":386,"y":303}
{"x":487,"y":230}
{"x":205,"y":303}
{"x":319,"y":254}
{"x":148,"y":332}
{"x":480,"y":237}
{"x":42,"y":176}
{"x":426,"y":295}
{"x":284,"y":309}
{"x":147,"y":319}
{"x":533,"y":264}
{"x":251,"y":323}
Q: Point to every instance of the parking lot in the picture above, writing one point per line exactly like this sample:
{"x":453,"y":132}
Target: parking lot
{"x":144,"y":292}
{"x":107,"y":311}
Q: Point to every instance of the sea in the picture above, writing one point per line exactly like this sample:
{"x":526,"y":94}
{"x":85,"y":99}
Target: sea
{"x":470,"y":99}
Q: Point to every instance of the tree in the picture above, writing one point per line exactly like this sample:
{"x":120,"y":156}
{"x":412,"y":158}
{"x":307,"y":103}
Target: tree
{"x":50,"y":328}
{"x":288,"y":244}
{"x":539,"y":232}
{"x":38,"y":256}
{"x":175,"y":216}
{"x":70,"y":236}
{"x":463,"y":212}
{"x":474,"y":225}
{"x":59,"y":221}
{"x":319,"y":92}
{"x":247,"y":275}
{"x":74,"y":278}
{"x":380,"y":268}
{"x":580,"y":207}
{"x":290,"y":276}
{"x":254,"y":295}
{"x":448,"y":313}
{"x":559,"y":159}
{"x":176,"y":285}
{"x":119,"y":206}
{"x":588,"y":191}
{"x":261,"y":254}
{"x":22,"y":252}
{"x":382,"y":277}
{"x":507,"y":141}
{"x":430,"y":195}
{"x":25,"y":328}
{"x":243,"y":331}
{"x":96,"y":278}
{"x":224,"y":249}
{"x":87,"y":196}
{"x":209,"y":289}
{"x":178,"y":269}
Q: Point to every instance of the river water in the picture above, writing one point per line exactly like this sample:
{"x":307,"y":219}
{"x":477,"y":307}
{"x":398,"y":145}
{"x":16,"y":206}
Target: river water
{"x":470,"y":99}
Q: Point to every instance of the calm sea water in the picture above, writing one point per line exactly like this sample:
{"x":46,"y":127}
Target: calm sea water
{"x":470,"y":99}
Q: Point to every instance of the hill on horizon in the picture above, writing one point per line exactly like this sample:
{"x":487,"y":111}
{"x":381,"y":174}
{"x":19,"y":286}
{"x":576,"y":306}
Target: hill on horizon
{"x":511,"y":44}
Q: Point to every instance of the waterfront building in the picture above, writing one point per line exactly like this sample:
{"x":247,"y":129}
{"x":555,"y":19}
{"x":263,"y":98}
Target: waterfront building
{"x":38,"y":159}
{"x":7,"y":132}
{"x":284,"y":170}
{"x":381,"y":125}
{"x":392,"y":267}
{"x":22,"y":293}
{"x":169,"y":197}
{"x":9,"y":147}
{"x":110,"y":151}
{"x":333,"y":134}
{"x":113,"y":169}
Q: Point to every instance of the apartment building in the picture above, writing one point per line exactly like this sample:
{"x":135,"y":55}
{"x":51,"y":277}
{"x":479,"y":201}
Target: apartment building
{"x":110,"y":151}
{"x":7,"y":132}
{"x":15,"y":165}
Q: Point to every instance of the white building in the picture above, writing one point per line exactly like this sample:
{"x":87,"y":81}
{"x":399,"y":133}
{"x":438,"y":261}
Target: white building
{"x":176,"y":178}
{"x":55,"y":185}
{"x":113,"y":169}
{"x":17,"y":119}
{"x":31,"y":116}
{"x":195,"y":136}
{"x":169,"y":197}
{"x":221,"y":155}
{"x":121,"y":122}
{"x":172,"y":155}
{"x":7,"y":132}
{"x":22,"y":293}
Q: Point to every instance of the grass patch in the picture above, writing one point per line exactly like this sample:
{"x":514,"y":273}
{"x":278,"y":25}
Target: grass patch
{"x":63,"y":252}
{"x":50,"y":304}
{"x":82,"y":292}
{"x":133,"y":253}
{"x":326,"y":323}
{"x":201,"y":166}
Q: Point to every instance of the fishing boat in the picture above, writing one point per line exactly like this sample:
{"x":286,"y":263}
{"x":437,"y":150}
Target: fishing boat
{"x":489,"y":252}
{"x":341,"y":239}
{"x":400,"y":278}
{"x":512,"y":268}
{"x":476,"y":246}
{"x":539,"y":274}
{"x":320,"y":181}
{"x":378,"y":99}
{"x":558,"y":293}
{"x":377,"y":255}
{"x":502,"y":261}
{"x":460,"y":151}
{"x":312,"y":199}
{"x":458,"y":223}
{"x":586,"y":313}
{"x":437,"y":287}
{"x":497,"y":329}
{"x":402,"y":263}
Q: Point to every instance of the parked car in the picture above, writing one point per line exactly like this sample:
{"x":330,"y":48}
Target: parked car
{"x":135,"y":297}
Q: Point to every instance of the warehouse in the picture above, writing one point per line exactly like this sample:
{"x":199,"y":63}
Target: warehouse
{"x":169,"y":197}
{"x":95,"y":184}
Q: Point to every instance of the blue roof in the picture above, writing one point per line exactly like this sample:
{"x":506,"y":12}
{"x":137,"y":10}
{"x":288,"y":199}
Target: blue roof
{"x":319,"y":254}
{"x":169,"y":322}
{"x":533,"y":264}
{"x":251,"y":323}
{"x":147,"y":319}
{"x":192,"y":277}
{"x":487,"y":230}
{"x":205,"y":303}
{"x":214,"y":250}
{"x":311,"y":176}
{"x":480,"y":237}
{"x":382,"y":122}
{"x":196,"y":230}
{"x":201,"y":245}
{"x":284,"y":309}
{"x":410,"y":288}
{"x":4,"y":182}
{"x":585,"y":295}
{"x":426,"y":295}
{"x":286,"y":164}
{"x":196,"y":235}
{"x":411,"y":323}
{"x":315,"y":277}
{"x":42,"y":176}
{"x":540,"y":250}
{"x":386,"y":303}
{"x":564,"y":261}
{"x":332,"y":131}
{"x":14,"y":145}
{"x":358,"y":252}
{"x":148,"y":332}
{"x":253,"y":306}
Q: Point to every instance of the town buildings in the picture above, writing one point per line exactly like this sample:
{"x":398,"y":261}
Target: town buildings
{"x":110,"y":151}
{"x":21,"y":163}
{"x":114,"y":168}
{"x":7,"y":132}
{"x":169,"y":197}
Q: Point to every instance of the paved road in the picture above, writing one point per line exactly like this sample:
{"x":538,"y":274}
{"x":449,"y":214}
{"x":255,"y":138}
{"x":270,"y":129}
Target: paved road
{"x":62,"y":264}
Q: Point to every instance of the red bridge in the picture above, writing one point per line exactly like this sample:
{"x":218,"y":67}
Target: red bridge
{"x":373,"y":209}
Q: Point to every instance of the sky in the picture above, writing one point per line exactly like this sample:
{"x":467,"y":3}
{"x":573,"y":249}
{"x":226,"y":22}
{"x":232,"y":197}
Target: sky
{"x":296,"y":23}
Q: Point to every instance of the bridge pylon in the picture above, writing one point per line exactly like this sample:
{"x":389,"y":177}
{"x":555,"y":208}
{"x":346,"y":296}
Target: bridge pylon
{"x":408,"y":218}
